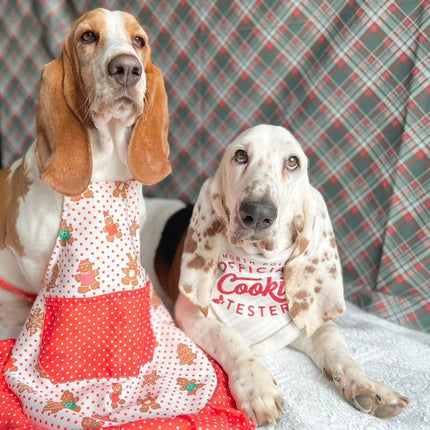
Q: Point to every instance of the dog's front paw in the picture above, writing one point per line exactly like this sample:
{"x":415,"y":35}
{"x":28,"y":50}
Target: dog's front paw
{"x":255,"y":393}
{"x":367,"y":395}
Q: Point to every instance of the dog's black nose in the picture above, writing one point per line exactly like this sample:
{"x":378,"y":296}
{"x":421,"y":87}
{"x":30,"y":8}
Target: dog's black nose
{"x":259,"y":215}
{"x":125,"y":69}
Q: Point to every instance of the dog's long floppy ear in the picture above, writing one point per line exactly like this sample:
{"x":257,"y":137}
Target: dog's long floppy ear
{"x":63,"y":150}
{"x":149,"y":149}
{"x":313,"y":279}
{"x":203,"y":245}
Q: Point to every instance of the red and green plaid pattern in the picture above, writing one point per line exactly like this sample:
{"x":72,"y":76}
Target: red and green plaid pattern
{"x":349,"y":78}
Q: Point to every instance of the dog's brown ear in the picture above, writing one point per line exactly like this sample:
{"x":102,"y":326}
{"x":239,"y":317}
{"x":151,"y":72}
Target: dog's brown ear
{"x":203,"y":245}
{"x":63,"y":150}
{"x":149,"y":149}
{"x":313,"y":278}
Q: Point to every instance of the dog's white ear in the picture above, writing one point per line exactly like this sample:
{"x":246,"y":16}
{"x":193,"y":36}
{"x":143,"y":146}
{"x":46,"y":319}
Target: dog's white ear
{"x":203,"y":245}
{"x":312,"y":275}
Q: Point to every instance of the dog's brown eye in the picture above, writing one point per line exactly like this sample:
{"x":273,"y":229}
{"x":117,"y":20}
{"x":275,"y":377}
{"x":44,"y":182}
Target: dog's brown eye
{"x":88,"y":37}
{"x":292,"y":163}
{"x":139,"y":42}
{"x":241,"y":156}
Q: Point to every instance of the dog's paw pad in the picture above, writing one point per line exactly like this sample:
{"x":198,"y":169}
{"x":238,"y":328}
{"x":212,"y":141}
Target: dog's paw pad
{"x":387,"y":406}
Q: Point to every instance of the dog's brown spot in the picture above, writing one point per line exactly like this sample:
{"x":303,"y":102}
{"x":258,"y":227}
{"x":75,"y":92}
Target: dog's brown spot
{"x":317,"y":289}
{"x":302,"y":301}
{"x":190,"y":244}
{"x":287,"y":274}
{"x":297,"y":308}
{"x":310,"y":269}
{"x":216,"y":227}
{"x":200,"y":263}
{"x":301,"y":295}
{"x":303,"y":244}
{"x":333,"y":271}
{"x":12,"y":188}
{"x":188,"y":288}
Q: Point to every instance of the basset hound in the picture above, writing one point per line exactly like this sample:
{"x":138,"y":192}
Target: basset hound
{"x":101,"y":115}
{"x":98,"y":348}
{"x":258,"y":269}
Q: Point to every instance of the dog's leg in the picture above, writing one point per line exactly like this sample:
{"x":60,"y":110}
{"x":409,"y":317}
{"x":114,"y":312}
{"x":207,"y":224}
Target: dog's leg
{"x":328,"y":350}
{"x":251,"y":385}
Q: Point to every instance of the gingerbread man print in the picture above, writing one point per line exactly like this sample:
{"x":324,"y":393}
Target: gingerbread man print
{"x":149,"y":402}
{"x":35,"y":321}
{"x":134,"y":227}
{"x":65,"y":233}
{"x":68,"y":401}
{"x":189,"y":385}
{"x":115,"y":396}
{"x":87,"y":194}
{"x":120,"y":189}
{"x":150,"y":378}
{"x":131,"y":272}
{"x":91,"y":423}
{"x":53,"y":282}
{"x":111,"y":228}
{"x":87,"y":277}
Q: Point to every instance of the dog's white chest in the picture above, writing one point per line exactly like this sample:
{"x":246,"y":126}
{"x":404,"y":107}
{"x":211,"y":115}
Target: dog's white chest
{"x":249,"y":295}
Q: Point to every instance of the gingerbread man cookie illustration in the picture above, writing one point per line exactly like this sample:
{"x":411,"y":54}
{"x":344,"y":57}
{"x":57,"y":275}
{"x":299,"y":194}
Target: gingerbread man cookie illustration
{"x":115,"y":396}
{"x":22,"y":388}
{"x":87,"y":277}
{"x":68,"y":401}
{"x":40,"y":370}
{"x":65,"y":233}
{"x":35,"y":321}
{"x":134,"y":227}
{"x":189,"y":385}
{"x":10,"y":365}
{"x":87,"y":194}
{"x":53,"y":281}
{"x":131,"y":272}
{"x":149,"y":402}
{"x":90,"y":423}
{"x":111,"y":228}
{"x":151,"y":378}
{"x":120,"y":189}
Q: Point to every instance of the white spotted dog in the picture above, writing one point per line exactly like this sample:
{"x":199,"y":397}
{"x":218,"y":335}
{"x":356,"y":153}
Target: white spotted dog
{"x":259,"y":271}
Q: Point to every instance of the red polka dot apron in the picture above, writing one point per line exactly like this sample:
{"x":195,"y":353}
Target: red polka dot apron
{"x":98,"y":348}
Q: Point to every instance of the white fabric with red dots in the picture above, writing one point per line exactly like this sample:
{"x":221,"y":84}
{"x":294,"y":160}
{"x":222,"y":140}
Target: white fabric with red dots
{"x":99,"y":348}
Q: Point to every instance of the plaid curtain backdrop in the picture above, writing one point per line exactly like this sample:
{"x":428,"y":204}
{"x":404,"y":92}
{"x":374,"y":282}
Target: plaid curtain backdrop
{"x":349,"y":78}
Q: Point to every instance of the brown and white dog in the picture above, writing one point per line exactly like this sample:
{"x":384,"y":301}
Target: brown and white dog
{"x":102,"y":115}
{"x":259,"y":270}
